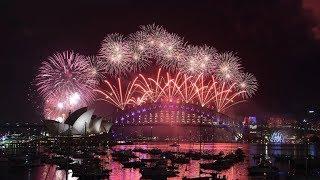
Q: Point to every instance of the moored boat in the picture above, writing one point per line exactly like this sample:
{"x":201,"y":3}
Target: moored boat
{"x":264,"y":168}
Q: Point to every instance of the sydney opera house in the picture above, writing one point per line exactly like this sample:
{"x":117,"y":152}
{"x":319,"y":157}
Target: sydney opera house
{"x":80,"y":122}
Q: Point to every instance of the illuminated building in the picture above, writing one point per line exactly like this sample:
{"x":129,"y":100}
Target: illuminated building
{"x":80,"y":122}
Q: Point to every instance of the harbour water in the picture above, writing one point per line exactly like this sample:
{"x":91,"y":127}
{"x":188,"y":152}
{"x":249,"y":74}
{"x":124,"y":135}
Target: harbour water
{"x":238,"y":171}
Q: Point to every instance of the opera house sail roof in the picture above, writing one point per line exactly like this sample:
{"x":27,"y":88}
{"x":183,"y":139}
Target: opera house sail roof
{"x":79,"y":122}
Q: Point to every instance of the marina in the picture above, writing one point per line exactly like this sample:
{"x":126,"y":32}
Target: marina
{"x":147,"y":160}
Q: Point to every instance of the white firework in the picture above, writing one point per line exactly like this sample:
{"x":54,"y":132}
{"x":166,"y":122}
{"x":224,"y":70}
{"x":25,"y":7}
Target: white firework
{"x":166,"y":48}
{"x":228,"y":68}
{"x":139,"y":52}
{"x":199,"y":60}
{"x":248,"y":83}
{"x":171,"y":51}
{"x":66,"y":82}
{"x":115,"y":54}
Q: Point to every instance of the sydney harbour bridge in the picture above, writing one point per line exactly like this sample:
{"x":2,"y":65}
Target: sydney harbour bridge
{"x":175,"y":121}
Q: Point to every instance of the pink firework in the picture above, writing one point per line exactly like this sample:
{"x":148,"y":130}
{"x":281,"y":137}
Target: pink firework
{"x":205,"y":91}
{"x":58,"y":107}
{"x":96,"y":67}
{"x":225,"y":94}
{"x":150,"y":88}
{"x":66,"y":80}
{"x":119,"y":96}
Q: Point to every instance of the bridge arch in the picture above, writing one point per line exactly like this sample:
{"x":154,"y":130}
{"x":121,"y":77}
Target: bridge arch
{"x":172,"y":121}
{"x":164,"y":113}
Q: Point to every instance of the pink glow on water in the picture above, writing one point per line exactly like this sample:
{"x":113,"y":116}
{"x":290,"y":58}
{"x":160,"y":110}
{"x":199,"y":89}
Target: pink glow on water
{"x":239,"y":171}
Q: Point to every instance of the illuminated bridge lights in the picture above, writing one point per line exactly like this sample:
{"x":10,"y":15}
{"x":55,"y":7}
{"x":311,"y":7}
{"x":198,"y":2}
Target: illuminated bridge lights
{"x":171,"y":113}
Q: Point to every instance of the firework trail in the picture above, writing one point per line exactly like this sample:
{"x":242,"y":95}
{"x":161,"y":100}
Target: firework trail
{"x":119,"y":98}
{"x":178,"y":88}
{"x":151,"y":88}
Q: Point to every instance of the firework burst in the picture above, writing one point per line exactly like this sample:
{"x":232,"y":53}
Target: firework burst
{"x":228,"y":66}
{"x":199,"y":60}
{"x":59,"y":106}
{"x":166,"y":48}
{"x":66,"y":73}
{"x":139,"y":52}
{"x":248,"y":83}
{"x":171,"y":51}
{"x":96,"y":67}
{"x":66,"y":81}
{"x":115,"y":54}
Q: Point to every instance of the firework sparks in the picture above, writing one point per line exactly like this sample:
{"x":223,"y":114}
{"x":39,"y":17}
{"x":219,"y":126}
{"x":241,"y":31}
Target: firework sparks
{"x":96,"y":67}
{"x":187,"y":88}
{"x":199,"y":60}
{"x":178,"y":88}
{"x":228,"y":68}
{"x":115,"y":54}
{"x":204,"y":90}
{"x":150,"y":88}
{"x":225,"y":94}
{"x":116,"y":96}
{"x":248,"y":83}
{"x":59,"y":106}
{"x":63,"y":75}
{"x":66,"y":73}
{"x":194,"y":74}
{"x":139,"y":52}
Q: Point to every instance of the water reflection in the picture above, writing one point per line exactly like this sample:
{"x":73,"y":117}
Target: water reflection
{"x":239,"y":171}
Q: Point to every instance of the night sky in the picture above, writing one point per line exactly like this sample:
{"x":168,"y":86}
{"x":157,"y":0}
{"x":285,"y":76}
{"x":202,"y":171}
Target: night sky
{"x":278,"y":41}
